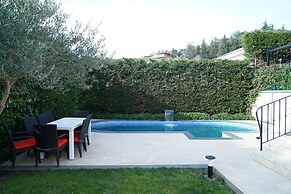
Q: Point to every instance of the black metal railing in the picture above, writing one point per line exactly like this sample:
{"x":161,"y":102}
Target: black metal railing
{"x":278,"y":56}
{"x":274,"y":119}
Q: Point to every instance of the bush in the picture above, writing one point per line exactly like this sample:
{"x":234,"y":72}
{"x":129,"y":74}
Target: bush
{"x":142,"y":116}
{"x":130,"y":86}
{"x":177,"y":116}
{"x":61,"y":103}
{"x":273,"y":78}
{"x":225,"y":116}
{"x":255,"y":42}
{"x":20,"y":104}
{"x":192,"y":116}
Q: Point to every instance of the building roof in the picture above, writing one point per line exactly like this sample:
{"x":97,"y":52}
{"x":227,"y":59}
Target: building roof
{"x":237,"y":54}
{"x":159,"y":55}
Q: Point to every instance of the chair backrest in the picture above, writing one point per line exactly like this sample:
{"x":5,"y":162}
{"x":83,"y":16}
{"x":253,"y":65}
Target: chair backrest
{"x":45,"y":117}
{"x":81,"y":113}
{"x":84,"y":128}
{"x":9,"y":137}
{"x":89,"y":118}
{"x":46,"y":137}
{"x":29,"y":122}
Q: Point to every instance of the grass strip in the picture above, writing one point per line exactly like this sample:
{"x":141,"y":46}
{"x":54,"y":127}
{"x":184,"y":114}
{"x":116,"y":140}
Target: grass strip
{"x":106,"y":181}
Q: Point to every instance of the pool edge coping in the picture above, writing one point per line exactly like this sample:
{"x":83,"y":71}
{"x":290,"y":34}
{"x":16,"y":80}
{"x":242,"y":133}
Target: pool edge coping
{"x":230,"y":134}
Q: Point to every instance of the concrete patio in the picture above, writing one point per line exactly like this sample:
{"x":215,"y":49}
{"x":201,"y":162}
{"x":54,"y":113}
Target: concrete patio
{"x":234,"y":158}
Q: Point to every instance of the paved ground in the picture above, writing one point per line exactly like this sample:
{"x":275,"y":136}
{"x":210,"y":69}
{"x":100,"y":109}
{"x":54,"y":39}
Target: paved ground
{"x":234,"y":158}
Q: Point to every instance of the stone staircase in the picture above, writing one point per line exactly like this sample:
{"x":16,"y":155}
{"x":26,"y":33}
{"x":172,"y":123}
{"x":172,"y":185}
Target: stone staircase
{"x":276,"y":155}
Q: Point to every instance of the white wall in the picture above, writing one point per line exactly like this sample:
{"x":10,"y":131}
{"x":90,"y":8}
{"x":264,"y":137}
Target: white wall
{"x":269,"y":96}
{"x":281,"y":116}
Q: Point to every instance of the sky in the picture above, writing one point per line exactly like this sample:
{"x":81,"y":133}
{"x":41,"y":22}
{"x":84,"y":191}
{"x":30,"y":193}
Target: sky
{"x":136,"y":28}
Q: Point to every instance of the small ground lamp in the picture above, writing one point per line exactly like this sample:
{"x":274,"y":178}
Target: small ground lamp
{"x":210,"y":159}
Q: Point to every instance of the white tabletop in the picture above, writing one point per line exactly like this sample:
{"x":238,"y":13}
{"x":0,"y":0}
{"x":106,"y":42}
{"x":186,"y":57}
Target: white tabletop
{"x":68,"y":123}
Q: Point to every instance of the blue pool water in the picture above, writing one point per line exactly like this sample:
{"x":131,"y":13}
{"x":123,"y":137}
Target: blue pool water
{"x":198,"y":129}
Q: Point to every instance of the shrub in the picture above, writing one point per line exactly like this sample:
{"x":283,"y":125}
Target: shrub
{"x":275,"y":78}
{"x":192,"y":116}
{"x":138,"y":86}
{"x":61,"y":103}
{"x":225,"y":116}
{"x":142,"y":116}
{"x":177,"y":116}
{"x":255,"y":42}
{"x":20,"y":104}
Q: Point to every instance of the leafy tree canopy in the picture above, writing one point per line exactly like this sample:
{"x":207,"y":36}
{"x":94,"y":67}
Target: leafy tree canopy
{"x":267,"y":26}
{"x":219,"y":47}
{"x":216,"y":48}
{"x":36,"y":44}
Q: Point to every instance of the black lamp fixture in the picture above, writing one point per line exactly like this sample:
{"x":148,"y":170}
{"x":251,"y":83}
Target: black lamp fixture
{"x":210,"y":159}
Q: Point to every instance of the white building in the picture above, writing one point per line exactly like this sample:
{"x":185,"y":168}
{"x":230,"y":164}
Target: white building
{"x":159,"y":55}
{"x":237,"y":54}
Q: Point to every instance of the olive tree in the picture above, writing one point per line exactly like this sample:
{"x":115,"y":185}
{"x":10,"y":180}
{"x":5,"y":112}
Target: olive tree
{"x":36,"y":44}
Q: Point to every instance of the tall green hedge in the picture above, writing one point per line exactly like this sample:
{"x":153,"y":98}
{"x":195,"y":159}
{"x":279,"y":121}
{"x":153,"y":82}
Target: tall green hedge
{"x":255,"y":42}
{"x":273,"y":78}
{"x":140,"y":86}
{"x":61,"y":103}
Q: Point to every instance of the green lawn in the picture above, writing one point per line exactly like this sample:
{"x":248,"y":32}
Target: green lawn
{"x":132,"y":180}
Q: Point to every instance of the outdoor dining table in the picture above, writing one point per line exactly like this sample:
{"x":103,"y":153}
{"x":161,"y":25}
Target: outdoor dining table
{"x":71,"y":123}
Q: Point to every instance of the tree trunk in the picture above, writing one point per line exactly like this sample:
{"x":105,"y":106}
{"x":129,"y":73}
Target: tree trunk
{"x":7,"y":90}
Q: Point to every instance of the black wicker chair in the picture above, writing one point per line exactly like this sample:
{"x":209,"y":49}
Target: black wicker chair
{"x":79,"y":138}
{"x":18,"y":146}
{"x":86,"y":134}
{"x":29,"y":122}
{"x":45,"y":117}
{"x":47,"y":141}
{"x":77,"y":130}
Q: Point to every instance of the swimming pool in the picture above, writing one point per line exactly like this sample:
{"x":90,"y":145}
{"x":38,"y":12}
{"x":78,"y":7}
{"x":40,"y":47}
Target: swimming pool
{"x":192,"y":129}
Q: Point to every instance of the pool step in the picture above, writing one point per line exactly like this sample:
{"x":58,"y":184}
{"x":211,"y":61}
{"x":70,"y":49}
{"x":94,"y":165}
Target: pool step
{"x":276,"y":156}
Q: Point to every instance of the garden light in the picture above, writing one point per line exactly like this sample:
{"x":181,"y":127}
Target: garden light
{"x":210,"y":159}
